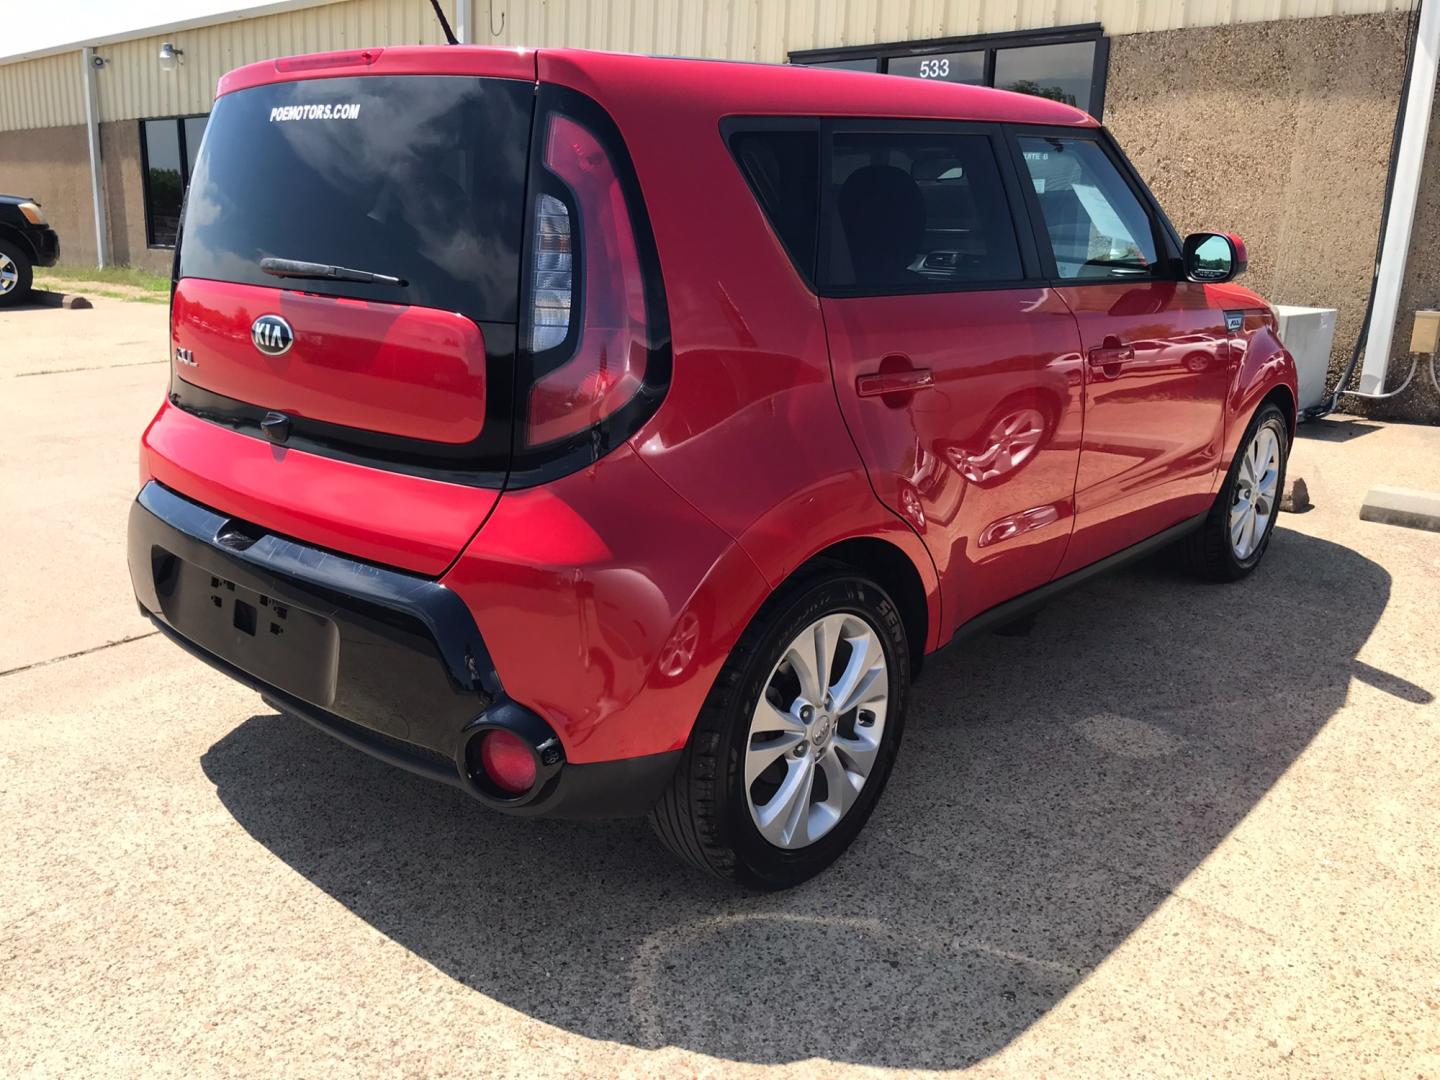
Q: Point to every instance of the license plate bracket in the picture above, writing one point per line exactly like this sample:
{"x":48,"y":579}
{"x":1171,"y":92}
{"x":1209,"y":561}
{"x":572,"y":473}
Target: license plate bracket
{"x":292,"y":649}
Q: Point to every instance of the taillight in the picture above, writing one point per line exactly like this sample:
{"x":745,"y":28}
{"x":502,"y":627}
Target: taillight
{"x":588,"y":302}
{"x":553,"y":286}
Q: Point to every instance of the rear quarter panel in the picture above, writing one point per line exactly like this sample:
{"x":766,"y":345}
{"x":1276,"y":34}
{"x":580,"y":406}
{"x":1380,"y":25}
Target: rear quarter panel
{"x":608,"y":604}
{"x":750,"y":432}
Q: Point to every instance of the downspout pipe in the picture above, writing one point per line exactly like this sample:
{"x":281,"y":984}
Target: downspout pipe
{"x":92,"y":131}
{"x":1405,"y":193}
{"x":462,"y":22}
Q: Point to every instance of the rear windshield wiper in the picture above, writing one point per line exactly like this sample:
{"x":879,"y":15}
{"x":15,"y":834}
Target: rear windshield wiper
{"x":293,"y":268}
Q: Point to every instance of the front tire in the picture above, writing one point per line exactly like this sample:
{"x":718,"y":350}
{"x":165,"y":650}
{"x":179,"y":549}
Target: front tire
{"x":15,"y":275}
{"x":796,"y":739}
{"x":1236,"y":532}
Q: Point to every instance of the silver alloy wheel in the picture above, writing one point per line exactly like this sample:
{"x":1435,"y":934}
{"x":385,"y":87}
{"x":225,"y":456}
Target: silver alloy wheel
{"x":815,"y":733}
{"x":9,"y":274}
{"x":1255,"y":492}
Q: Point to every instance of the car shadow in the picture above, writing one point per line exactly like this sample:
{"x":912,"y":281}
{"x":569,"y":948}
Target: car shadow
{"x":1052,"y":791}
{"x":1335,"y":429}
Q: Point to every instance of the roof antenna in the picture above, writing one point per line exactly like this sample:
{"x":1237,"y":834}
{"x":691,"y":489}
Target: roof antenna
{"x":444,"y":23}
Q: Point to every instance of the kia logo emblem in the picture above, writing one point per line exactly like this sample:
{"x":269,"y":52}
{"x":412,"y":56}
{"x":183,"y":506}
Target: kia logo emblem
{"x":272,"y":335}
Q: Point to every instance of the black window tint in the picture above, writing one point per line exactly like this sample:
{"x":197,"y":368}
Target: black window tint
{"x":865,"y":63}
{"x":164,"y":180}
{"x":783,"y":170}
{"x":1061,"y":72}
{"x":417,"y":177}
{"x":959,"y":67}
{"x":1096,"y":224}
{"x":917,"y":211}
{"x":194,"y":132}
{"x":1069,"y":68}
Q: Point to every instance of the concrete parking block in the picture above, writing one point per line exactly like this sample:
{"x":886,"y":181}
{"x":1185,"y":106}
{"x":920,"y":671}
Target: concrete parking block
{"x":1408,"y":507}
{"x":59,"y":299}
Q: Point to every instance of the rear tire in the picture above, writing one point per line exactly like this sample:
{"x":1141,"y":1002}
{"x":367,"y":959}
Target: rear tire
{"x":1221,"y":549}
{"x":736,"y":830}
{"x":16,"y":275}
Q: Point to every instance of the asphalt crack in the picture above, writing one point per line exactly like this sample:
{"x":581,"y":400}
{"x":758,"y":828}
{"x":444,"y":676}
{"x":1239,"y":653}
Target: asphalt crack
{"x":73,"y":655}
{"x":96,"y":367}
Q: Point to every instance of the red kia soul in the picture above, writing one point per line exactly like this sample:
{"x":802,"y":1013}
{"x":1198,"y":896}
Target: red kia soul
{"x":609,"y":435}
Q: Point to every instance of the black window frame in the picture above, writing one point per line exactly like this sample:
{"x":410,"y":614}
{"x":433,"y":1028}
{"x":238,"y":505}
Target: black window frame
{"x":1168,"y":261}
{"x":179,"y":122}
{"x":884,"y":52}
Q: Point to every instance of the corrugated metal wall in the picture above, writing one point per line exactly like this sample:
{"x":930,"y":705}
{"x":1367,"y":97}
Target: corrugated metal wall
{"x":133,"y":84}
{"x":48,"y":92}
{"x":770,"y":29}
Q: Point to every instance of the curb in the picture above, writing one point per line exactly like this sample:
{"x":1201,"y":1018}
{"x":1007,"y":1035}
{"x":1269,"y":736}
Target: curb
{"x":1402,"y":506}
{"x":46,"y":298}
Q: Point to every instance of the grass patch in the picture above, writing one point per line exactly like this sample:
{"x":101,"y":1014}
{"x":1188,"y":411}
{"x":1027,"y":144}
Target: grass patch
{"x":111,"y":294}
{"x":111,"y":275}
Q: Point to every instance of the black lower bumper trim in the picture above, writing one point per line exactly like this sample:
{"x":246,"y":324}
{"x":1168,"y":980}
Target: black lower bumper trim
{"x":392,"y":751}
{"x":387,"y":662}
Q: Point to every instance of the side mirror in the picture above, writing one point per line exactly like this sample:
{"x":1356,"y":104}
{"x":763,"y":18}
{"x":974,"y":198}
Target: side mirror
{"x":1211,"y":258}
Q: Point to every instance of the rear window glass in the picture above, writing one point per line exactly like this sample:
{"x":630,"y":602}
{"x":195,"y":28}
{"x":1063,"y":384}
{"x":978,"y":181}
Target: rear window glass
{"x":416,"y":177}
{"x":917,"y":211}
{"x":783,"y":170}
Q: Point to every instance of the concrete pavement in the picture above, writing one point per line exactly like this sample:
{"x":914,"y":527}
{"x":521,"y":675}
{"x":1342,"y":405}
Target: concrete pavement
{"x":1179,"y":829}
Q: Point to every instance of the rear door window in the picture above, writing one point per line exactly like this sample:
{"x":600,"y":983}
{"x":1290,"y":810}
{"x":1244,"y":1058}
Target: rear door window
{"x":416,"y":177}
{"x":783,"y":170}
{"x":1097,"y":227}
{"x":916,"y":211}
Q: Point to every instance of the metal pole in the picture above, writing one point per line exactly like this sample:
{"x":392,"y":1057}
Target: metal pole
{"x":1420,"y":94}
{"x":462,"y":22}
{"x":92,"y":130}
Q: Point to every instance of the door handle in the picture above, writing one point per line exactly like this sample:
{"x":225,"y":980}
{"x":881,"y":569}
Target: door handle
{"x":1109,"y":355}
{"x":879,"y":383}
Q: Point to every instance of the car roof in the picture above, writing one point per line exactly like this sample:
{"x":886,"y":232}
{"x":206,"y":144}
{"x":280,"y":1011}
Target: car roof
{"x":739,"y":87}
{"x":724,"y":87}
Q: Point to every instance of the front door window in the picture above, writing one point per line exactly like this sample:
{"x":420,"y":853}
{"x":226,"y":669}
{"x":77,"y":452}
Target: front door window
{"x":1097,"y":227}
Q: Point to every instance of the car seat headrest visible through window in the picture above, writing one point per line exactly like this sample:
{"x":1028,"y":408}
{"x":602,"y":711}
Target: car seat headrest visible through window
{"x":883,"y":214}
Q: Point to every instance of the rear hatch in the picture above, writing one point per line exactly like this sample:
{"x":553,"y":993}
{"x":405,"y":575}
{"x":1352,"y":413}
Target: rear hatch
{"x":410,"y":291}
{"x":416,"y":179}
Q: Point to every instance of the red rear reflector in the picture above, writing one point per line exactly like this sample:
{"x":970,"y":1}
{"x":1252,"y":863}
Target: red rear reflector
{"x":608,"y":366}
{"x":353,"y":58}
{"x":508,"y":762}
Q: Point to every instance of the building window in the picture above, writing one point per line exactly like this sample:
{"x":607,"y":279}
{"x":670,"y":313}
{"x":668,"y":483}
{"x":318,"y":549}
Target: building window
{"x":168,"y":149}
{"x":1064,"y":72}
{"x":1066,"y":65}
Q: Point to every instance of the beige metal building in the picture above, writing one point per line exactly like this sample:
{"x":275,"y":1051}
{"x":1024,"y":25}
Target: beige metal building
{"x":1272,"y":118}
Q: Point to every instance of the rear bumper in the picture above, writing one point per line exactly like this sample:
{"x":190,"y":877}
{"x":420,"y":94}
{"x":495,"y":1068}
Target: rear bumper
{"x":386,"y":661}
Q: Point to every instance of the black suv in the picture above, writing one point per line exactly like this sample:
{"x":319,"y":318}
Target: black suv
{"x":25,"y":242}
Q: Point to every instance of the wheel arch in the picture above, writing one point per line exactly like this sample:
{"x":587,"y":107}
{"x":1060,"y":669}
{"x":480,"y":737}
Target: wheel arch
{"x":19,"y":239}
{"x":891,"y":568}
{"x":1281,"y":396}
{"x":1267,"y":373}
